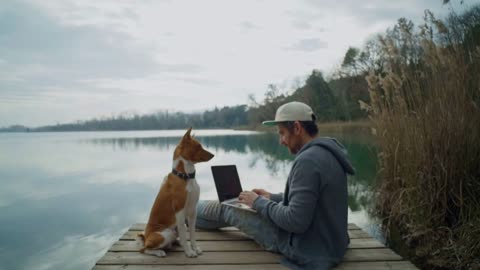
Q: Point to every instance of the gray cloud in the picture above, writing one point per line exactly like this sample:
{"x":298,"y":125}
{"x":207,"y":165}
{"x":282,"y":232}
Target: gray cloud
{"x":309,"y":45}
{"x":374,"y":11}
{"x":302,"y":25}
{"x":27,"y":36}
{"x":39,"y":52}
{"x":179,"y":68}
{"x":309,"y":16}
{"x":200,"y":81}
{"x":246,"y":25}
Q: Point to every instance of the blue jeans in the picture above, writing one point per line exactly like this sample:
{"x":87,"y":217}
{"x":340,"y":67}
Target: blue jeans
{"x":213,"y":215}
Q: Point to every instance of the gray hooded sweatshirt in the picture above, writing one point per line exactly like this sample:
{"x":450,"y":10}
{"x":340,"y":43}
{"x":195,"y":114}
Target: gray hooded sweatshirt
{"x":312,"y":214}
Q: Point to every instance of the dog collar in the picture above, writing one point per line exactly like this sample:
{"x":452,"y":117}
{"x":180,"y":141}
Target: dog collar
{"x":184,"y":176}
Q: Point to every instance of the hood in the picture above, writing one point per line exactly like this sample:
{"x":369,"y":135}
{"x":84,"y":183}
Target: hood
{"x":336,"y":148}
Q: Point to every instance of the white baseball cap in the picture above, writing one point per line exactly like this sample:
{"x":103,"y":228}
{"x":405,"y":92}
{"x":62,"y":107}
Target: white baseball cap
{"x":292,"y":111}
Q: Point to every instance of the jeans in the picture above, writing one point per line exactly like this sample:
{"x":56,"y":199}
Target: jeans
{"x":213,"y":215}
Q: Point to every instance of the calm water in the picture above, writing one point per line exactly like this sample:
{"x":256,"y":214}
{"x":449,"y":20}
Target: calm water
{"x":65,"y":198}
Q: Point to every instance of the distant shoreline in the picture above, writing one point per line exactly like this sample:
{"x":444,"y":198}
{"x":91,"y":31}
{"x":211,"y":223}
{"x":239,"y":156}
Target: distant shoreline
{"x":329,"y":126}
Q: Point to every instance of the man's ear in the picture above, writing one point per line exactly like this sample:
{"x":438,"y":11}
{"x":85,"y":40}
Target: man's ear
{"x":297,"y":127}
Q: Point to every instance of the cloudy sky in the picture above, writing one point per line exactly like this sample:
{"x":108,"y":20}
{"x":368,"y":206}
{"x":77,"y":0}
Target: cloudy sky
{"x":68,"y":60}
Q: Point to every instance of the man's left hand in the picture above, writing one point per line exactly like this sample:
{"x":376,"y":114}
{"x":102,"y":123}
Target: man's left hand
{"x":247,"y":197}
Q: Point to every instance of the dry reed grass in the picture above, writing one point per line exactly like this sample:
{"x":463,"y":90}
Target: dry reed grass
{"x":426,"y":117}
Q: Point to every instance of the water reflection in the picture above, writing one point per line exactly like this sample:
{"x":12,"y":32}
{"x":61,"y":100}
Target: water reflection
{"x":265,"y":147}
{"x":68,"y":230}
{"x":67,"y":197}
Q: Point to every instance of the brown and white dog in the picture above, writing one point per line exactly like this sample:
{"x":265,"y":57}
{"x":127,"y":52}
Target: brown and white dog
{"x":176,"y":202}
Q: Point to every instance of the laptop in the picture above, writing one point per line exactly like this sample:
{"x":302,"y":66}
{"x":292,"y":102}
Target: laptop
{"x":228,"y":186}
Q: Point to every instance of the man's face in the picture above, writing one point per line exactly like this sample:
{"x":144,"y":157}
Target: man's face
{"x":291,"y":140}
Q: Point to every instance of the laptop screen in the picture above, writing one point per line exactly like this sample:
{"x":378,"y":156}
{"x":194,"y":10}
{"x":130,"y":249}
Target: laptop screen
{"x":227,"y":182}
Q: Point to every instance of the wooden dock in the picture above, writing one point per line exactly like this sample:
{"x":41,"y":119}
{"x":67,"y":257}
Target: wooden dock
{"x":233,"y":250}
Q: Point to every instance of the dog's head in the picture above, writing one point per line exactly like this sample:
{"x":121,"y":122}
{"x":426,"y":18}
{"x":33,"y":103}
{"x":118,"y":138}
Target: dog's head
{"x":191,"y":150}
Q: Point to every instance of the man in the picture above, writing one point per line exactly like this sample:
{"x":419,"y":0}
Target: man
{"x":308,"y":223}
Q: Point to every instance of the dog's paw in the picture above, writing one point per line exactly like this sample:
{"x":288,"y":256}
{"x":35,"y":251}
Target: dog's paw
{"x":190,"y":253}
{"x":198,"y":250}
{"x":156,"y":252}
{"x":161,"y":253}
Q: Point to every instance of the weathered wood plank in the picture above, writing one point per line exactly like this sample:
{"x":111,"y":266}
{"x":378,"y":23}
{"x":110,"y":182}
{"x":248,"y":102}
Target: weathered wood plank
{"x":233,"y":235}
{"x":204,"y":245}
{"x":365,"y":243}
{"x":205,"y":235}
{"x":193,"y":267}
{"x":369,"y":255}
{"x":141,"y":227}
{"x":236,"y":245}
{"x":392,"y":265}
{"x":257,"y":257}
{"x":358,"y":234}
{"x":232,"y":249}
{"x":179,"y":258}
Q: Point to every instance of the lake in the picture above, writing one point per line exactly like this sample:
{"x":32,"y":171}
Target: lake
{"x":65,"y":198}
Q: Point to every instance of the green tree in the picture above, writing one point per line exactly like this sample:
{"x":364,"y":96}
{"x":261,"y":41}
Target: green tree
{"x":317,"y":93}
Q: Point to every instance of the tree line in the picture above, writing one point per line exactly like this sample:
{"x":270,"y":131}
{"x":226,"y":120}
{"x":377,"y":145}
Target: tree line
{"x":226,"y":117}
{"x":335,"y":100}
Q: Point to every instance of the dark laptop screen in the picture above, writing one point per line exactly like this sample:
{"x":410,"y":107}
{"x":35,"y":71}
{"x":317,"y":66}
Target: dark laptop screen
{"x":227,"y":181}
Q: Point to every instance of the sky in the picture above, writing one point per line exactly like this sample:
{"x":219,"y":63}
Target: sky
{"x":67,"y":60}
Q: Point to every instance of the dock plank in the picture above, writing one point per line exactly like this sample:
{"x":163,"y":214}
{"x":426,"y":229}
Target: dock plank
{"x":232,"y":235}
{"x":201,"y":236}
{"x":238,"y":257}
{"x":132,"y":246}
{"x":120,"y":246}
{"x":141,"y":227}
{"x":192,"y":267}
{"x":231,"y":249}
{"x":392,"y":265}
{"x":179,"y":258}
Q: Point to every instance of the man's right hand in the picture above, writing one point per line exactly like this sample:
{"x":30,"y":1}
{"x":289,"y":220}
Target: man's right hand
{"x":262,"y":192}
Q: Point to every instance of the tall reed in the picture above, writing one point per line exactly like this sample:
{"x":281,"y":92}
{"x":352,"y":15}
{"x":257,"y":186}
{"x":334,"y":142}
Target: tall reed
{"x":426,"y":117}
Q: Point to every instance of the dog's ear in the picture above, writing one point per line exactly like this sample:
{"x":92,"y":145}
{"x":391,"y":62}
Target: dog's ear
{"x":187,"y":134}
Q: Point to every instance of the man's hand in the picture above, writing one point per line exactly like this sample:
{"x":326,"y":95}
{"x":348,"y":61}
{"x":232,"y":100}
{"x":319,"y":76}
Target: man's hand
{"x":262,"y":192}
{"x":247,"y":197}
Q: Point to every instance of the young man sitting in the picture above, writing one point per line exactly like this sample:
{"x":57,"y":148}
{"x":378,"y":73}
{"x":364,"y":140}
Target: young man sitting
{"x":308,"y":222}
